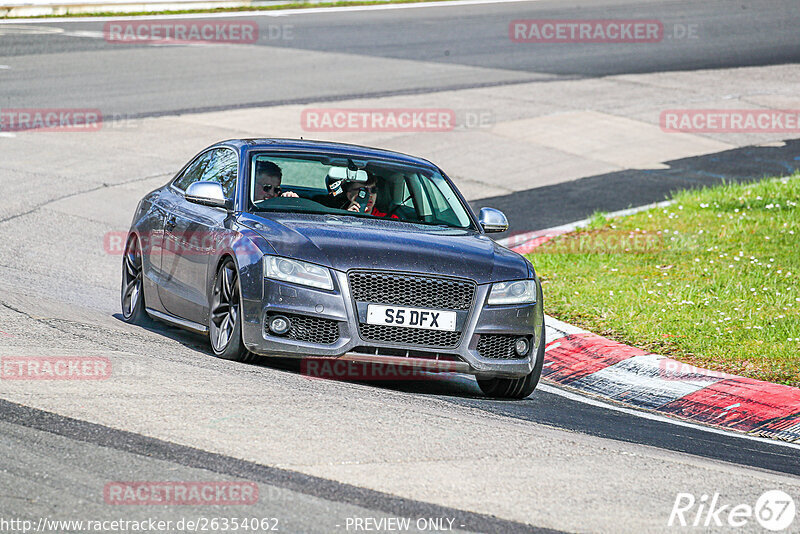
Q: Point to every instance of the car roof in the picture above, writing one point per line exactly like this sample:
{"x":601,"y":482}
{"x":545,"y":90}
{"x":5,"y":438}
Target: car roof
{"x":309,"y":145}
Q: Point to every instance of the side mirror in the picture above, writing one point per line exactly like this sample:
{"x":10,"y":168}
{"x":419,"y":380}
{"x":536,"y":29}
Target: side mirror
{"x":208,"y":194}
{"x":492,"y":220}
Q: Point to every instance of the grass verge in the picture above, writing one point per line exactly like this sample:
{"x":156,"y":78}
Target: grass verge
{"x":295,"y":5}
{"x":711,"y":280}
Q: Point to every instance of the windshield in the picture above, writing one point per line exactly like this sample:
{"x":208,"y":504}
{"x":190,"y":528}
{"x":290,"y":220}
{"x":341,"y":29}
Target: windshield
{"x":374,"y":189}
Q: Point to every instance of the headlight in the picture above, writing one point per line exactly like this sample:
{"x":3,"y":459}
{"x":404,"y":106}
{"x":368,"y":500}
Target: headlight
{"x":516,"y":292}
{"x":297,"y":272}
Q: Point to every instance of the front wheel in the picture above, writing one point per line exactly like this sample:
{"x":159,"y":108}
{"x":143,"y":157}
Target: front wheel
{"x":132,"y":292}
{"x":225,"y":321}
{"x":515,"y":388}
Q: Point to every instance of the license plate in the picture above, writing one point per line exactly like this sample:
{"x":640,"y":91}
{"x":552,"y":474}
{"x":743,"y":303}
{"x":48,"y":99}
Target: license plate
{"x":411,"y":317}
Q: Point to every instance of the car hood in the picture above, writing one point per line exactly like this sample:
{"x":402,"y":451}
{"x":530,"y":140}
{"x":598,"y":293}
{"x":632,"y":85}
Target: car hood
{"x":345,"y":243}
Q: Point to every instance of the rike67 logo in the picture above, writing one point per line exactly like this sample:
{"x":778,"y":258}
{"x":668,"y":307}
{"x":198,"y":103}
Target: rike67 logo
{"x":774,"y":511}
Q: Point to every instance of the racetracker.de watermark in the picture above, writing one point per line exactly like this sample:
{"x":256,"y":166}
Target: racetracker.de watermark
{"x":212,"y":31}
{"x":335,"y":369}
{"x":378,"y":120}
{"x":55,"y":368}
{"x":586,"y":31}
{"x":180,"y":493}
{"x":175,"y":243}
{"x":669,"y":369}
{"x":50,"y":119}
{"x":605,"y":31}
{"x":605,"y":242}
{"x":730,"y":120}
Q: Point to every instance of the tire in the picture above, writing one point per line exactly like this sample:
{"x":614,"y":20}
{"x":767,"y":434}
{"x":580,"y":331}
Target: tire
{"x":515,"y":388}
{"x":132,"y":290}
{"x":225,"y":318}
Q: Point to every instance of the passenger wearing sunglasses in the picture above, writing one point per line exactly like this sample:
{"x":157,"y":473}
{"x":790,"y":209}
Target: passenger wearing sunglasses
{"x":268,"y":182}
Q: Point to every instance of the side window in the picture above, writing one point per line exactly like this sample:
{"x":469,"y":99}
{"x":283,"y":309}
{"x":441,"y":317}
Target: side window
{"x":223,"y":170}
{"x":214,"y":166}
{"x":420,"y":195}
{"x":194,"y":172}
{"x":437,"y":199}
{"x":405,"y":196}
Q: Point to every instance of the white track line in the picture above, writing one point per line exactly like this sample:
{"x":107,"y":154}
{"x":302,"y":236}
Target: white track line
{"x":660,"y":418}
{"x":270,"y":13}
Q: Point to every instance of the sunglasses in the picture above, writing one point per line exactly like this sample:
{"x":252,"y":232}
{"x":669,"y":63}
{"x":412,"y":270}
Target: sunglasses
{"x":370,"y":190}
{"x":270,"y":187}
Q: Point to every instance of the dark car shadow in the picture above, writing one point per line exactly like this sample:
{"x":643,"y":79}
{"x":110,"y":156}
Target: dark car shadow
{"x":435,"y":384}
{"x":186,"y":338}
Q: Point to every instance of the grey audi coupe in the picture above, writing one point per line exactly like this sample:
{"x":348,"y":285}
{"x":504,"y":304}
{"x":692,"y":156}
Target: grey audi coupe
{"x":326,"y":251}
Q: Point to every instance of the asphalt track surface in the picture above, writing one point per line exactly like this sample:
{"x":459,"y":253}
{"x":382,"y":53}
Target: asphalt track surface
{"x":425,"y":50}
{"x":62,"y":446}
{"x":375,"y":54}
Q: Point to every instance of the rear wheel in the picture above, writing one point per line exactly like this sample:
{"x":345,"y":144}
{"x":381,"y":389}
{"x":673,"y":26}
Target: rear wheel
{"x":515,"y":388}
{"x":225,"y":321}
{"x":132,"y":292}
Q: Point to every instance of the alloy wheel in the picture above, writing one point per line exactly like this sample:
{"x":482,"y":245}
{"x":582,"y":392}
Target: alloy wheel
{"x":131,"y":278}
{"x":224,"y":307}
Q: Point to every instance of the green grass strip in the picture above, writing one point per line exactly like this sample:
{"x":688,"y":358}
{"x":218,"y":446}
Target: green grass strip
{"x":711,"y":280}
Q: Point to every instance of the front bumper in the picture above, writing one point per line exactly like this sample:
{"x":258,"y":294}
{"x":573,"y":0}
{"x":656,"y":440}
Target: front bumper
{"x":337,"y":305}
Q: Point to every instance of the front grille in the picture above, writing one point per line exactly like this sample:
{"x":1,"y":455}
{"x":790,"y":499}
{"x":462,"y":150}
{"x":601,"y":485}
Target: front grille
{"x":412,"y":290}
{"x":410,"y":336}
{"x":498,"y":346}
{"x":408,"y":353}
{"x":309,"y":329}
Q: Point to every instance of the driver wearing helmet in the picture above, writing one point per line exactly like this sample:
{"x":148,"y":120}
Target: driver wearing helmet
{"x":335,"y":196}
